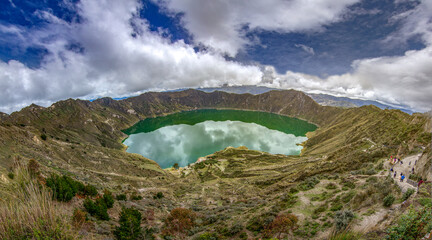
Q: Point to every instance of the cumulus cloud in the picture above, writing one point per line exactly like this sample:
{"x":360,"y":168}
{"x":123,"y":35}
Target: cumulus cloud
{"x":222,"y":24}
{"x":395,"y":80}
{"x":108,"y":59}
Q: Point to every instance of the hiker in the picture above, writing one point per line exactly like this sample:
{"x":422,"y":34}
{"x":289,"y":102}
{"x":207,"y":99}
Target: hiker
{"x":419,"y":183}
{"x":394,"y":175}
{"x":401,"y":162}
{"x":409,"y":164}
{"x":412,"y":170}
{"x":391,"y":169}
{"x":402,"y":178}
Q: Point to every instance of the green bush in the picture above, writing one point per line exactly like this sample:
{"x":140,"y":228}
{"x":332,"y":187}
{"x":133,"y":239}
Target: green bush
{"x":11,"y":175}
{"x":348,"y":196}
{"x":90,"y":190}
{"x":342,"y":219}
{"x":108,"y":199}
{"x":43,"y":137}
{"x":207,"y":236}
{"x":331,"y":186}
{"x":293,"y":190}
{"x":136,"y":197}
{"x":413,"y":225}
{"x":130,"y":225}
{"x":64,"y":188}
{"x":336,"y":207}
{"x":388,"y":200}
{"x":408,"y":194}
{"x":158,"y":195}
{"x":308,"y":183}
{"x":121,"y":197}
{"x":97,"y":209}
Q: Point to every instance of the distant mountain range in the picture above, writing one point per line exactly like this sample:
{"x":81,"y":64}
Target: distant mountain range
{"x":322,"y":99}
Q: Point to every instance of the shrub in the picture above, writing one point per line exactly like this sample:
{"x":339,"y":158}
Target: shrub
{"x":336,"y":207}
{"x":342,"y":219}
{"x":130,"y":225}
{"x":33,"y":167}
{"x":11,"y":175}
{"x":207,"y":236}
{"x":257,"y":224}
{"x":64,"y":188}
{"x":348,"y":196}
{"x":285,"y":223}
{"x":388,"y":200}
{"x":371,"y":171}
{"x":331,"y":186}
{"x":413,"y":225}
{"x":90,"y":190}
{"x":121,"y":197}
{"x":108,"y":199}
{"x":43,"y":137}
{"x":136,"y":197}
{"x":294,"y":190}
{"x":349,"y":184}
{"x":408,"y":194}
{"x":158,"y":195}
{"x":236,"y":228}
{"x":308,"y":183}
{"x":79,"y":217}
{"x":97,"y":209}
{"x":179,"y":221}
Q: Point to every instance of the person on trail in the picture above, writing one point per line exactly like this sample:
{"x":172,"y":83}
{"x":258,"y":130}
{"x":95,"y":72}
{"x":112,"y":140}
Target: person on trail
{"x":391,"y":169}
{"x":402,"y":178}
{"x":412,"y":170}
{"x":409,"y":164}
{"x":419,"y":183}
{"x":394,"y":175}
{"x":401,"y":162}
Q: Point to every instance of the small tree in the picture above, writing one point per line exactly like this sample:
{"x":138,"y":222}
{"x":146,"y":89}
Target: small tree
{"x":130,"y":224}
{"x":179,"y":221}
{"x":285,"y":223}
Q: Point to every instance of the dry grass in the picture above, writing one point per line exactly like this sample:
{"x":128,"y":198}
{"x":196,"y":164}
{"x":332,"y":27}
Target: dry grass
{"x":27,"y":210}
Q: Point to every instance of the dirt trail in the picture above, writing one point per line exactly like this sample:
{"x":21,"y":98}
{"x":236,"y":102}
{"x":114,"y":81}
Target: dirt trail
{"x":406,"y":168}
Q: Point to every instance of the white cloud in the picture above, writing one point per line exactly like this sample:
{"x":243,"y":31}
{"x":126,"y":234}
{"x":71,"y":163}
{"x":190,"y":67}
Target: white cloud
{"x":220,"y":23}
{"x":396,"y":80}
{"x":306,"y":48}
{"x":113,"y":63}
{"x":403,"y":79}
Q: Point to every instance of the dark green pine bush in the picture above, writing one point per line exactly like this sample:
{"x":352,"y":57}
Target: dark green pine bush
{"x":97,"y":208}
{"x":121,"y":197}
{"x":130,"y":225}
{"x":64,"y":188}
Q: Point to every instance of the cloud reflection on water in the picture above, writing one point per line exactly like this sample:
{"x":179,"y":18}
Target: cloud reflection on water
{"x":183,"y":143}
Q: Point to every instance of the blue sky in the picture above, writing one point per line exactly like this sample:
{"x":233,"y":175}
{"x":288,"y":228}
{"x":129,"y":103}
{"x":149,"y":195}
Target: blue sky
{"x":370,"y":49}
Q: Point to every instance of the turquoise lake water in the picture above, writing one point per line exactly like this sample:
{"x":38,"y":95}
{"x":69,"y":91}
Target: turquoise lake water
{"x":185,"y":136}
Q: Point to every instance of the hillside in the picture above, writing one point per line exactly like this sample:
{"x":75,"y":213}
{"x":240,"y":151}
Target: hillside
{"x":235,"y":188}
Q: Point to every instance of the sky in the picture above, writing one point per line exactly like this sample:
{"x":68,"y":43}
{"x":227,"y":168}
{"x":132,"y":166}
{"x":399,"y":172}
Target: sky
{"x":368,"y":49}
